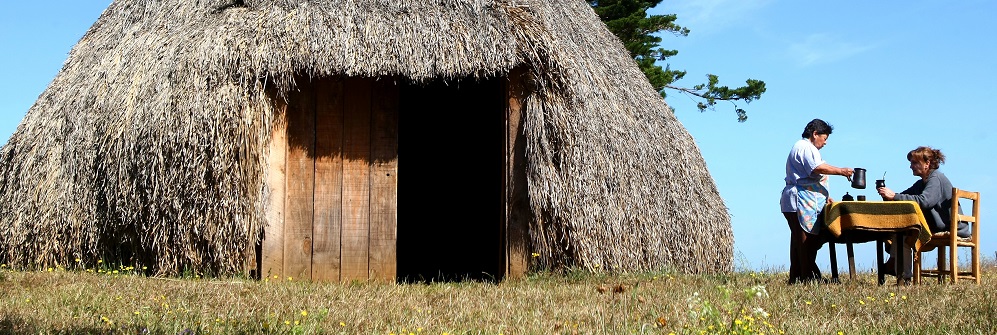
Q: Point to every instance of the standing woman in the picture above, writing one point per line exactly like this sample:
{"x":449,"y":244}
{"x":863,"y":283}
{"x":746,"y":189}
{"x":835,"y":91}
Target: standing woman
{"x":933,"y":193}
{"x":804,"y":197}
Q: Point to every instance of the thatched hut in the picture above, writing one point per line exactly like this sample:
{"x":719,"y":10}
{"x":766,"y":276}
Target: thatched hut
{"x":268,"y":136}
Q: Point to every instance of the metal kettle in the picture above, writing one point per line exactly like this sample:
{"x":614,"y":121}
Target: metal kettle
{"x":858,"y":178}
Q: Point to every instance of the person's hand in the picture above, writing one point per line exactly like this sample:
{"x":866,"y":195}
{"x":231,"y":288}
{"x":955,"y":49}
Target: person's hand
{"x":886,"y":193}
{"x":847,"y":172}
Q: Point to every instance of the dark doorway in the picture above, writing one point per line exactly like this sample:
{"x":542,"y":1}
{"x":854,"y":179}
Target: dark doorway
{"x":450,"y":162}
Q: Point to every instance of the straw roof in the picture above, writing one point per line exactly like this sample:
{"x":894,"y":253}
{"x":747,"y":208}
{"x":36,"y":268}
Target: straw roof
{"x":151,"y":140}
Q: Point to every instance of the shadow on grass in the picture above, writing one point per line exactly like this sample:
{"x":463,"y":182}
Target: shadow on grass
{"x":13,"y":325}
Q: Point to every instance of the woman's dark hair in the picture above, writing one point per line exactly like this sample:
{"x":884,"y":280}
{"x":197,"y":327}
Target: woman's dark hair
{"x":932,"y":156}
{"x":819,"y":126}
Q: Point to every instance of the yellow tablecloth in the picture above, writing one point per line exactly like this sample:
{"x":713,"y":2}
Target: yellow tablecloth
{"x":878,"y":216}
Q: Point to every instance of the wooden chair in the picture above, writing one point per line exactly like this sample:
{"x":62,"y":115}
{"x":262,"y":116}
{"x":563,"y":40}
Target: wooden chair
{"x":949,"y":239}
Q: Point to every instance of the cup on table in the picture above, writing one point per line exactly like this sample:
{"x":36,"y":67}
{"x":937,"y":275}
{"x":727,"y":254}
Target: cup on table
{"x":860,"y":198}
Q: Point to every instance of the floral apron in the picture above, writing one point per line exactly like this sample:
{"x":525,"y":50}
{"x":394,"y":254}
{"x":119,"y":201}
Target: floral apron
{"x":810,"y":200}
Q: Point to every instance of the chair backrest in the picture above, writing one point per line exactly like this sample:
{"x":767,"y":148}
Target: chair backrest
{"x":957,"y":216}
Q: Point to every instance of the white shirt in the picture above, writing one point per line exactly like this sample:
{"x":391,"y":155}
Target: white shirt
{"x":800,"y":165}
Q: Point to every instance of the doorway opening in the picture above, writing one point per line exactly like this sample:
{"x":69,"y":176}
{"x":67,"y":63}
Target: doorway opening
{"x":451,"y":155}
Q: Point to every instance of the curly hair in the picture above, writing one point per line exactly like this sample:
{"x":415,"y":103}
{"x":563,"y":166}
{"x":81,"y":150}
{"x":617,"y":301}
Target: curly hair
{"x":933,"y":157}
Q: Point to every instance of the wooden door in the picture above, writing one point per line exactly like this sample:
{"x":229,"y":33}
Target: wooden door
{"x":333,"y":183}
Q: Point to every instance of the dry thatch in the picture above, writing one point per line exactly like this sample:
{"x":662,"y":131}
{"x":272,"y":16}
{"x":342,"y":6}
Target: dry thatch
{"x":150,"y":142}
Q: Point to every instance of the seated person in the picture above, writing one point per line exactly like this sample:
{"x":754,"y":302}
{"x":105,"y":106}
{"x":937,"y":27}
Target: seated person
{"x":933,"y":193}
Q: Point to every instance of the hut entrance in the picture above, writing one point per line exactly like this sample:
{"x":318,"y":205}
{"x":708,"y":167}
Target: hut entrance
{"x":450,"y":148}
{"x":337,"y":210}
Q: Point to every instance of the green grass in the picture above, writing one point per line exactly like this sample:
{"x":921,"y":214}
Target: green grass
{"x":104,"y":301}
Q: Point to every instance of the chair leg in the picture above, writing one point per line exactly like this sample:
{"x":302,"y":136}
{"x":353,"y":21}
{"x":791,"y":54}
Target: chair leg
{"x":976,"y":264}
{"x":954,"y":263}
{"x":917,"y":267}
{"x":941,"y":265}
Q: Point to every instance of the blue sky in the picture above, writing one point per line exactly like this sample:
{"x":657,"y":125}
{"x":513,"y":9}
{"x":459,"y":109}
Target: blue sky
{"x":888,"y":76}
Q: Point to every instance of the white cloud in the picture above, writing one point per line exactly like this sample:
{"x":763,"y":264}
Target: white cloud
{"x":823,"y":48}
{"x":705,"y":16}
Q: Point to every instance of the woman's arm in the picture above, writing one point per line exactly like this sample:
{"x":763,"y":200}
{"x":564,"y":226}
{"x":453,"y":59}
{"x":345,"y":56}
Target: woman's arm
{"x":888,"y":194}
{"x":830,"y":169}
{"x":929,"y":197}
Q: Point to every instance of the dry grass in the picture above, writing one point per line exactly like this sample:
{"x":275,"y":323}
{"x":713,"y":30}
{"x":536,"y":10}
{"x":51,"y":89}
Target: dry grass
{"x":113,"y":301}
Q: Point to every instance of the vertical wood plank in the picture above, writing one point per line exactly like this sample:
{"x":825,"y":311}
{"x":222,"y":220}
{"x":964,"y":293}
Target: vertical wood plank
{"x":300,"y":184}
{"x":384,"y":180}
{"x":517,"y":210}
{"x":272,"y":260}
{"x":328,"y":180}
{"x":356,"y":179}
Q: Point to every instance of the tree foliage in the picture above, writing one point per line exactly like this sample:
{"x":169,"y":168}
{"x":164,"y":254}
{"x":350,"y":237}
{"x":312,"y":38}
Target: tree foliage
{"x":628,"y":20}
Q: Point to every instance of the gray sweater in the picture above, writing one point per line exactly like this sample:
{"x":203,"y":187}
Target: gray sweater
{"x":934,"y":196}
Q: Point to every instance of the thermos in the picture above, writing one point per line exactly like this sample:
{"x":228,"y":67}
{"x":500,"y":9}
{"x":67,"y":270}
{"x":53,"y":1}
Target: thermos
{"x":858,"y":178}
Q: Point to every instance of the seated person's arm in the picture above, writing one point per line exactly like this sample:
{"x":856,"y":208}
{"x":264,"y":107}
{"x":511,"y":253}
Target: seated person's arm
{"x":929,"y":197}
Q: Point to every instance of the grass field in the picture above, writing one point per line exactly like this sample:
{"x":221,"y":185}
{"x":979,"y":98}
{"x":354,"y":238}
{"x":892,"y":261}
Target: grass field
{"x":103,"y":301}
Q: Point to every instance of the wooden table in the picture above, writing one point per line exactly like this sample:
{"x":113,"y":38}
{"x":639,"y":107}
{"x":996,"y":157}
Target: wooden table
{"x":851,"y":222}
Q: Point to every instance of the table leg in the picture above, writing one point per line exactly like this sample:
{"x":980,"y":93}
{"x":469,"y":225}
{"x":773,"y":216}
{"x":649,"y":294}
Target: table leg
{"x":851,"y":261}
{"x":898,"y":260}
{"x":834,"y":261}
{"x":879,"y":262}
